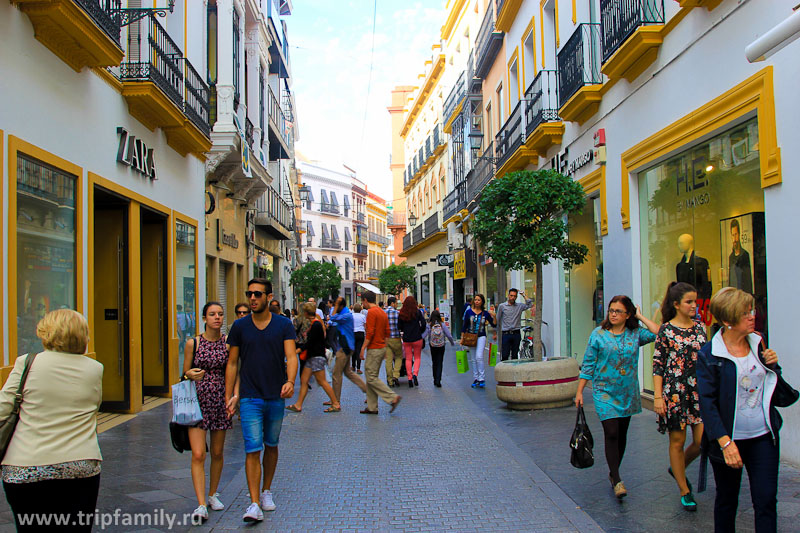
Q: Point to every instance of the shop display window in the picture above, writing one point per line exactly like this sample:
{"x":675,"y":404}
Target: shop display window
{"x":701,"y":215}
{"x":185,"y":289}
{"x":425,"y":290}
{"x":46,"y":252}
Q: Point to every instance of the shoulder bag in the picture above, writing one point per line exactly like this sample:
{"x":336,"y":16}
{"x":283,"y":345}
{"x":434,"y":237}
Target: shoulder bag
{"x":581,"y":443}
{"x":8,"y":425}
{"x":471,"y":339}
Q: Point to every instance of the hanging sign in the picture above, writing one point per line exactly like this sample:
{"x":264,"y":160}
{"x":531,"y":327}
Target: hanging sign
{"x":460,"y":265}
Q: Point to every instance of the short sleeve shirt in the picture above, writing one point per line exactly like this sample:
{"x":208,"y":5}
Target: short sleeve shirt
{"x":263,"y":366}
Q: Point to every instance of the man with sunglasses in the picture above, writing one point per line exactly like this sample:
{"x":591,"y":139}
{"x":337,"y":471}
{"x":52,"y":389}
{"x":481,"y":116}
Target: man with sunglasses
{"x":264,"y":342}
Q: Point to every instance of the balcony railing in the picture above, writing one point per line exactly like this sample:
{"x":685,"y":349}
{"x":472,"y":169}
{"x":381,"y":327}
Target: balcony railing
{"x":276,"y":115}
{"x":457,"y":94}
{"x":455,"y":201}
{"x":620,"y":18}
{"x":417,"y":234}
{"x":374,"y":273}
{"x":330,"y":244}
{"x":377,"y":237}
{"x":432,"y":225}
{"x":197,"y":103}
{"x":361,"y":218}
{"x":361,"y":249}
{"x":480,"y":174}
{"x":406,"y":241}
{"x":541,"y":100}
{"x":271,"y":208}
{"x":509,"y":138}
{"x":487,"y":44}
{"x":161,"y":65}
{"x":106,"y":14}
{"x":579,"y":62}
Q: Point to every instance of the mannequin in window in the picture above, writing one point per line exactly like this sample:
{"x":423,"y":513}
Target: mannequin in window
{"x":739,"y":273}
{"x":692,"y":268}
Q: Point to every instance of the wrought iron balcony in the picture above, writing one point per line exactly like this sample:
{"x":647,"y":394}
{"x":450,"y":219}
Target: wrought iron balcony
{"x":509,"y":138}
{"x":456,"y":96}
{"x":481,"y":173}
{"x":378,"y":238}
{"x":417,"y":234}
{"x":487,"y":44}
{"x":455,"y":201}
{"x":197,"y":98}
{"x":406,"y":241}
{"x":541,"y":100}
{"x":374,"y":273}
{"x":276,"y":116}
{"x":579,"y":62}
{"x":361,"y":249}
{"x":274,"y":214}
{"x":106,"y":13}
{"x":161,"y":65}
{"x":619,"y":20}
{"x":330,"y":244}
{"x":432,"y":225}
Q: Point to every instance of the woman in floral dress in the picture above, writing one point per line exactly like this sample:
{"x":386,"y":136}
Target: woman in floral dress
{"x":676,"y":401}
{"x":205,"y":360}
{"x":611,"y":363}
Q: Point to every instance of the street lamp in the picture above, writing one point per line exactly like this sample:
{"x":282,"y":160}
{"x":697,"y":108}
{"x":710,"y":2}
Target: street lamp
{"x":475,"y":143}
{"x":304,"y":191}
{"x":412,"y":219}
{"x":383,"y":247}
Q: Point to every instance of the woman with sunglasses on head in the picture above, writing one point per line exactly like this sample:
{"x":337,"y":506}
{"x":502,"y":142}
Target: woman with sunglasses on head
{"x":611,"y":363}
{"x":737,"y":376}
{"x":474,"y":321}
{"x":205,"y":361}
{"x":676,"y":401}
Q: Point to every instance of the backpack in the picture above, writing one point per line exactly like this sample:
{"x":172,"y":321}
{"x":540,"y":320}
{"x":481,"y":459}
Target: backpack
{"x":437,"y":336}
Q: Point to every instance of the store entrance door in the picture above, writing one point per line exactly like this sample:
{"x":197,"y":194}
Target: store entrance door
{"x":111,"y":320}
{"x":155,"y":380}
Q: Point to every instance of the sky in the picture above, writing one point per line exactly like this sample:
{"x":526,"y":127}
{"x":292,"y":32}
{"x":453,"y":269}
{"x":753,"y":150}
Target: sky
{"x":330,"y":40}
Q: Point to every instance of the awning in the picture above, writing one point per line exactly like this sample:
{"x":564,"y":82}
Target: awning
{"x":370,"y":287}
{"x":310,"y":258}
{"x":310,"y":228}
{"x":324,"y":258}
{"x":347,"y":235}
{"x":335,"y":262}
{"x":348,"y":262}
{"x":334,"y":233}
{"x":346,"y":199}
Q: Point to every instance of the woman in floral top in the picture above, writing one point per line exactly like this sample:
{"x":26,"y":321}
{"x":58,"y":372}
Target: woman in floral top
{"x":675,"y":381}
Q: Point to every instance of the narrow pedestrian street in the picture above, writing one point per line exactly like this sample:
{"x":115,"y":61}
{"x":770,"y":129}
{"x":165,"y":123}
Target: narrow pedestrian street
{"x":449,"y":459}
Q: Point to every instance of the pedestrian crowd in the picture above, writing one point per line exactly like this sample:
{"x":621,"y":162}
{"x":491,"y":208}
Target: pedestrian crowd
{"x":725,"y":388}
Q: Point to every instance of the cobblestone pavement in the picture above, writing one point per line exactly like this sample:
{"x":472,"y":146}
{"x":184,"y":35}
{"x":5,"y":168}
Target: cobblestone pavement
{"x":653,"y":499}
{"x":436,"y":464}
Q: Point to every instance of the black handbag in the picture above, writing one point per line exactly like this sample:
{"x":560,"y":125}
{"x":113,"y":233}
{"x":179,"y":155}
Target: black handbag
{"x":581,"y":443}
{"x":784,"y":395}
{"x":180,"y":437}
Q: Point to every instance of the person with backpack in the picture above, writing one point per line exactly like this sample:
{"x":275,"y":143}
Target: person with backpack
{"x":437,"y":334}
{"x":342,"y":320}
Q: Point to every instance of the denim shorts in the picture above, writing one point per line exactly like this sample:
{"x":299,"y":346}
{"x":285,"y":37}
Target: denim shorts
{"x":261,"y":422}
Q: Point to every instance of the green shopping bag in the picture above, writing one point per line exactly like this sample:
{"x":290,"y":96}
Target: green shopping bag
{"x":492,"y":354}
{"x":462,"y":361}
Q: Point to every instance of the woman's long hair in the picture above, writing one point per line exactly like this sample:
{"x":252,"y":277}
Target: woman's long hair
{"x":409,"y":310}
{"x":675,"y":292}
{"x":436,"y":318}
{"x":631,"y":322}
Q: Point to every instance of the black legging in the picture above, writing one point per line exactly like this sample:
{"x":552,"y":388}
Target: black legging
{"x":46,"y":500}
{"x":357,"y":351}
{"x":616,"y":437}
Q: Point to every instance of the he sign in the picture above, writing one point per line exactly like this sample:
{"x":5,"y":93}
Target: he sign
{"x":444,"y":260}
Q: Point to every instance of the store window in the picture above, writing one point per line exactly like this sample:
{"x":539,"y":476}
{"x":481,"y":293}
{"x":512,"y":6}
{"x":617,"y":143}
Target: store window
{"x":583,"y":284}
{"x":185,"y":290}
{"x":702,"y":221}
{"x":46,"y":252}
{"x":425,"y":290}
{"x":439,"y":289}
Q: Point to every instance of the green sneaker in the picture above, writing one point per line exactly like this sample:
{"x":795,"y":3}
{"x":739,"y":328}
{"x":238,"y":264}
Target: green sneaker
{"x":688,"y":502}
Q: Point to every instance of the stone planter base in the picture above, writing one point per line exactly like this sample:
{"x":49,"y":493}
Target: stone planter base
{"x":526,"y":384}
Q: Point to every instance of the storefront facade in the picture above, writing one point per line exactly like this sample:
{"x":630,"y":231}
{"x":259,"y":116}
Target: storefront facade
{"x":101,"y":213}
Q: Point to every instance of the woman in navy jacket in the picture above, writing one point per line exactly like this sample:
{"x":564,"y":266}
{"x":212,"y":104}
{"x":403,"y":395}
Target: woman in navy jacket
{"x":736,"y":380}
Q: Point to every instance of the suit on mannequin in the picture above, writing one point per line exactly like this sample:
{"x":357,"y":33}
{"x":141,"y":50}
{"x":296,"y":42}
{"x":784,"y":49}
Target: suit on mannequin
{"x":693,"y":268}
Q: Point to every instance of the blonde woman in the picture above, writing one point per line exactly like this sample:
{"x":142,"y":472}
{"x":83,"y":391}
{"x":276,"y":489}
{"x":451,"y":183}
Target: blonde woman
{"x":52,"y":465}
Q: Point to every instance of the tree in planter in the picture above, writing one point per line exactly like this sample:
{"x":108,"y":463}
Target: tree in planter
{"x":394,"y":278}
{"x":315,"y":279}
{"x":521,"y":224}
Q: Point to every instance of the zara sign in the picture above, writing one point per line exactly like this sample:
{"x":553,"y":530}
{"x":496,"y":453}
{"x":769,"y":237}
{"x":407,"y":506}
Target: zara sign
{"x":134,"y":153}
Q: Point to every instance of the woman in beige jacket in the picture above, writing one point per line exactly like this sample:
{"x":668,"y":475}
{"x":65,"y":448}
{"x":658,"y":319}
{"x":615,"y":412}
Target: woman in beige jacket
{"x":52,"y":464}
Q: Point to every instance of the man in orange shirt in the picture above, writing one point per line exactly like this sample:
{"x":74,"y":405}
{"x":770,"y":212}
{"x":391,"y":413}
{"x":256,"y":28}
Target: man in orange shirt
{"x":377,"y":330}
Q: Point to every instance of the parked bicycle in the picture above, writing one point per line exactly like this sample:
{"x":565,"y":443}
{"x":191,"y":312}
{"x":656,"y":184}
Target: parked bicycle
{"x":526,"y":344}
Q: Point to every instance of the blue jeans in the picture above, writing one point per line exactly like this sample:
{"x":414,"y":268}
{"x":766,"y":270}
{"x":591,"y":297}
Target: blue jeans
{"x":261,"y":422}
{"x":760,"y":458}
{"x":511,"y":345}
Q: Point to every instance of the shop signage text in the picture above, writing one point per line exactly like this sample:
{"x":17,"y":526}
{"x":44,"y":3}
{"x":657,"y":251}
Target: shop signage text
{"x":133,"y":152}
{"x":460,"y":265}
{"x":230,"y":239}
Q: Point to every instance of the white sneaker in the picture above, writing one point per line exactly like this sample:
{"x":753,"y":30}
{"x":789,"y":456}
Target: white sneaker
{"x":214,"y":503}
{"x":267,"y":504}
{"x":199,"y":515}
{"x":253,"y":513}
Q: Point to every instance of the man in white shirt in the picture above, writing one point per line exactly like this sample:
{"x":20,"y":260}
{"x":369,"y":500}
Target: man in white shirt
{"x":509,"y":318}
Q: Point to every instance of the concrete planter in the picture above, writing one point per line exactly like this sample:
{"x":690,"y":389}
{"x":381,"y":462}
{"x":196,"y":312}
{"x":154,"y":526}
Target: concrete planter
{"x":527,"y":384}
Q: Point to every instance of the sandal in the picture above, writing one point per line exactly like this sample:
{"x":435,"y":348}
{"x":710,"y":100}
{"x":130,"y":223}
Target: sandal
{"x":294,"y":409}
{"x":327,"y":403}
{"x":332,"y":409}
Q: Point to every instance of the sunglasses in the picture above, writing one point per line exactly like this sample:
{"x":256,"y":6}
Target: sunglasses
{"x":257,"y":294}
{"x":242,"y":312}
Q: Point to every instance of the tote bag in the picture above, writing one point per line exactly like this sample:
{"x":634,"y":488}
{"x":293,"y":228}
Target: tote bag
{"x":185,"y":405}
{"x":462,"y":361}
{"x":492,"y":354}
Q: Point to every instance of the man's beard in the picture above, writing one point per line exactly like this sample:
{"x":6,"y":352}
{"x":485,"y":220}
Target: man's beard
{"x":259,"y":308}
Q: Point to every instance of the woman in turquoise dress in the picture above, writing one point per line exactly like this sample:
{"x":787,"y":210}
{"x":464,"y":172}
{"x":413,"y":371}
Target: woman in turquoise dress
{"x":611,"y":363}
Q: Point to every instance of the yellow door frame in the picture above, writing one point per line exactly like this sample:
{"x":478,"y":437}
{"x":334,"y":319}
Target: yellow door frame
{"x":756,"y":93}
{"x":595,"y":182}
{"x":16,"y":146}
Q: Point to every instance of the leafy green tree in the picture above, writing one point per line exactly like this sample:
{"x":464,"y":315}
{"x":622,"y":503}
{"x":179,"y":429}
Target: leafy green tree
{"x":521,"y":224}
{"x":394,"y":278}
{"x":317,"y":280}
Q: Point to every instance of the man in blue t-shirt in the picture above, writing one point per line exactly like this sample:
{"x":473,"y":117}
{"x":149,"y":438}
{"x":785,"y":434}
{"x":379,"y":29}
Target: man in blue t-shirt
{"x":264,"y":344}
